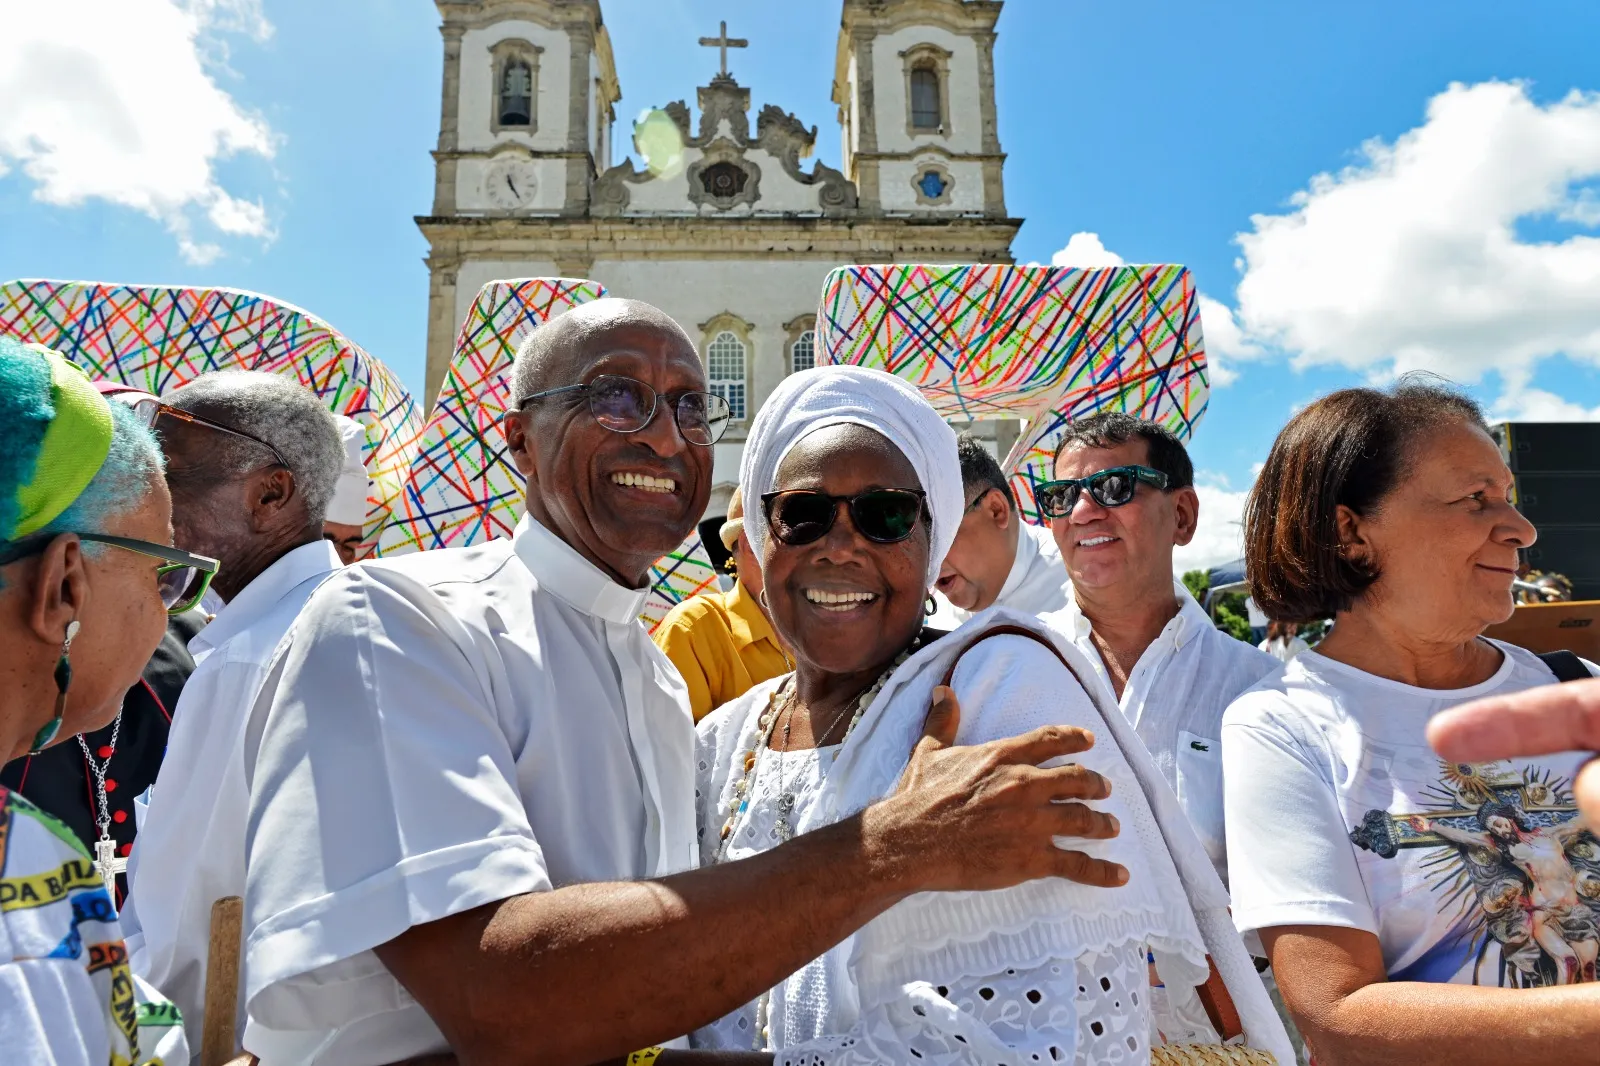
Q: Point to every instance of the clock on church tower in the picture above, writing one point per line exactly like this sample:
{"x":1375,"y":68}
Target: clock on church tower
{"x":716,"y":215}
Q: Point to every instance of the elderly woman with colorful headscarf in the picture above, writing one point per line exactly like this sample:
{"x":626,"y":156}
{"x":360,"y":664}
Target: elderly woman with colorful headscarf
{"x":87,"y":578}
{"x":854,"y":495}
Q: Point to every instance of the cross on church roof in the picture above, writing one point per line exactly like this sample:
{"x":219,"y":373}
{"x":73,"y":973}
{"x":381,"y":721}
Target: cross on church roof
{"x":722,"y":42}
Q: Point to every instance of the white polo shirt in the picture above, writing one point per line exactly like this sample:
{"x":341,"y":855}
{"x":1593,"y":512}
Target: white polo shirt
{"x":190,"y":850}
{"x":1175,"y":697}
{"x":441,"y":731}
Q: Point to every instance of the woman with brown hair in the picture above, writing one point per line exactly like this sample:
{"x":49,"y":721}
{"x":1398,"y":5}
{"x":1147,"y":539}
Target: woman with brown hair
{"x":1386,"y":884}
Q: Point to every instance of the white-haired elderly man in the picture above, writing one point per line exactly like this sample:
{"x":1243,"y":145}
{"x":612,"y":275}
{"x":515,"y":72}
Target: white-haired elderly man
{"x":252,"y":462}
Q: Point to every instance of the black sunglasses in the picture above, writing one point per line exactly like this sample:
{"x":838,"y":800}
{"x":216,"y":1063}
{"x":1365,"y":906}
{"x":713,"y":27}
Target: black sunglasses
{"x":1108,"y":488}
{"x":152,"y":411}
{"x":182,"y":581}
{"x":626,"y":405}
{"x":883,"y":516}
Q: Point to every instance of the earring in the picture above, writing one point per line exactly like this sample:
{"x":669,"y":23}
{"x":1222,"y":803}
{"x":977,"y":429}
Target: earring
{"x":929,"y":606}
{"x":47,"y":733}
{"x":762,"y":599}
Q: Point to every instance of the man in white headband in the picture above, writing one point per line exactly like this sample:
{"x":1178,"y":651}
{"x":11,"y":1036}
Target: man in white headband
{"x":347,"y":511}
{"x":722,"y":642}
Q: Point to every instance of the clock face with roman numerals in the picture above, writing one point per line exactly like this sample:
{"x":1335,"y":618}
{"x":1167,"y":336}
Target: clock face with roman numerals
{"x":510,"y":184}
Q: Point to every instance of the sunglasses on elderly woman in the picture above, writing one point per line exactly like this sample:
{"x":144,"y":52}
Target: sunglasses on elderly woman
{"x":182,"y":581}
{"x":883,"y":516}
{"x":1108,"y":488}
{"x":626,"y":405}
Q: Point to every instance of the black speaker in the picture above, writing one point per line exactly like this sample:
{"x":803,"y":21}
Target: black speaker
{"x":1556,"y":468}
{"x":1550,"y":447}
{"x":1560,"y":499}
{"x":1570,"y":550}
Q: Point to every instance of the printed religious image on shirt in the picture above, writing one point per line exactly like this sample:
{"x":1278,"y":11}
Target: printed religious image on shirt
{"x":1508,"y":853}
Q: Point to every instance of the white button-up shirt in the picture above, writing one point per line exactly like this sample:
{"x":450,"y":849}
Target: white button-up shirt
{"x":441,"y":731}
{"x":1174,"y":699}
{"x":190,"y":850}
{"x":1037,"y":583}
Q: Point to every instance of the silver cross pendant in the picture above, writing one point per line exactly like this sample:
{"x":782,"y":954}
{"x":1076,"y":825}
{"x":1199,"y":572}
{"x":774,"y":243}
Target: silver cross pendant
{"x":109,"y":864}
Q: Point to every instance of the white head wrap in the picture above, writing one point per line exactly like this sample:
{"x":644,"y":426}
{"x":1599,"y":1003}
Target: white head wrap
{"x":835,"y":395}
{"x":349,"y":504}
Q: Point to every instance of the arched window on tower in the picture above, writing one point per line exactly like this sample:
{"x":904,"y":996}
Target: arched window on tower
{"x":803,"y":352}
{"x":516,"y":93}
{"x":725,"y":362}
{"x":925,"y":107}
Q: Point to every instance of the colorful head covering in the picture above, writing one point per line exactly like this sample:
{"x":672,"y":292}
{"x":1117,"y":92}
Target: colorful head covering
{"x":830,"y":395}
{"x":55,"y":434}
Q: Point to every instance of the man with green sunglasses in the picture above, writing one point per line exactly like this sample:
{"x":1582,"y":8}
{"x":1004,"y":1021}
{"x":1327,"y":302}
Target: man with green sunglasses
{"x":1122,"y":500}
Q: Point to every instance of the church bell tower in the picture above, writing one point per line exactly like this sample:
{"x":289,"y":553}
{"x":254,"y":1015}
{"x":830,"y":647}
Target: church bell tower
{"x":914,"y":82}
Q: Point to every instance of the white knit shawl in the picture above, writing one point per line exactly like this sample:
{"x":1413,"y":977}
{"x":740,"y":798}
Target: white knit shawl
{"x":1173,"y":891}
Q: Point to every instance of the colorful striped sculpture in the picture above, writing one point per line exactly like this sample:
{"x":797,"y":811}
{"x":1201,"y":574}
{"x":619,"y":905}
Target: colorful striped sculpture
{"x":1043,"y":344}
{"x":158,"y":337}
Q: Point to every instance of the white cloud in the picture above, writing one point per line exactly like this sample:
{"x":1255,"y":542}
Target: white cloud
{"x":1224,"y":341}
{"x":1219,"y":537}
{"x":1085,"y":250}
{"x":117,"y":100}
{"x":1411,"y":259}
{"x":1537,"y":405}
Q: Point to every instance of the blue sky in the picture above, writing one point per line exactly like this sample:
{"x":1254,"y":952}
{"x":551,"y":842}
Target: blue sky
{"x":1162,"y":128}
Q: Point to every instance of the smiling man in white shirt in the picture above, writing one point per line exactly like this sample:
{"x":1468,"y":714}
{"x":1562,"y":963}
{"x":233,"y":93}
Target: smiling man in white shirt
{"x":1123,"y":500}
{"x":472,"y":773}
{"x":997,"y":560}
{"x":251,"y":463}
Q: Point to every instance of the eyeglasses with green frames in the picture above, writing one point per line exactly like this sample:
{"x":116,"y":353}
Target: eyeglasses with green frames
{"x":183,"y":579}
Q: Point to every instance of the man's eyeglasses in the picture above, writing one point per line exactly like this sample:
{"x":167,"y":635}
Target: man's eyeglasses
{"x":151,"y":411}
{"x":182,"y":581}
{"x":626,"y":405}
{"x":1108,"y":488}
{"x":884,"y":516}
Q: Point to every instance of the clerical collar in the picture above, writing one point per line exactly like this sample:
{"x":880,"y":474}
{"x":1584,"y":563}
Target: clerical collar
{"x":570,"y":577}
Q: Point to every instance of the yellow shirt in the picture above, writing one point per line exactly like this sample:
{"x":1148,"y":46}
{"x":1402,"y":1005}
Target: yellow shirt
{"x":722,"y":645}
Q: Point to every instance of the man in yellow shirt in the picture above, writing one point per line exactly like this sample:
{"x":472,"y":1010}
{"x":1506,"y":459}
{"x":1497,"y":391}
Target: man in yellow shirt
{"x":721,"y":642}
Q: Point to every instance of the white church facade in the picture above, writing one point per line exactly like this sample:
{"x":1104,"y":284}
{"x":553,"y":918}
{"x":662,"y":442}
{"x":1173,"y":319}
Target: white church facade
{"x":715,"y":217}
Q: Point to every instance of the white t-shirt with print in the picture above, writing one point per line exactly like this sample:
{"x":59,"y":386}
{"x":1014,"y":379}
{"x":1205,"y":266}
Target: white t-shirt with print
{"x":1340,"y":814}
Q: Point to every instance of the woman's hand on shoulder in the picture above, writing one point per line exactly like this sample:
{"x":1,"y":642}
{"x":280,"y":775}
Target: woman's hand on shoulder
{"x":983,"y":817}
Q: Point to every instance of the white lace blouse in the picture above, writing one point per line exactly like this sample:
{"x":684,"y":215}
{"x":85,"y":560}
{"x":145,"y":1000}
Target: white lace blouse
{"x":1043,"y":1002}
{"x":1098,"y":1003}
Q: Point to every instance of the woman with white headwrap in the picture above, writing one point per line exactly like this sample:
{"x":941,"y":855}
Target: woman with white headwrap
{"x":854,"y":493}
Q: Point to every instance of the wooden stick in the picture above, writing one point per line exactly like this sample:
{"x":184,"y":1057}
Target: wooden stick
{"x":222,"y":981}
